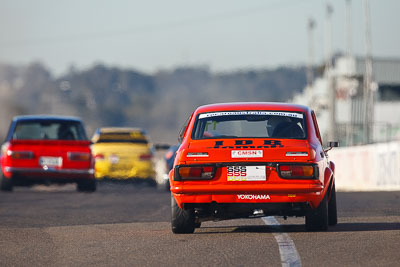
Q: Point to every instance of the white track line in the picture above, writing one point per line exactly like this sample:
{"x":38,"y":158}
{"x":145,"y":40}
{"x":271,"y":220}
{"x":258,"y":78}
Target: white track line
{"x":287,"y":249}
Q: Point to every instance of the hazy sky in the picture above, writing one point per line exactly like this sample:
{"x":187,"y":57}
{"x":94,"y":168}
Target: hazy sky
{"x":149,"y":35}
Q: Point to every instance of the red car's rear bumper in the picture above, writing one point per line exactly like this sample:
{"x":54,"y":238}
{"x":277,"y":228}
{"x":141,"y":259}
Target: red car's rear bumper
{"x":254,"y":188}
{"x":271,"y":193}
{"x":37,"y":173}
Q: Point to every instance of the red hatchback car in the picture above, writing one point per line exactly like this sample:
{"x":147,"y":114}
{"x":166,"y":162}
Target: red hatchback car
{"x":46,"y":149}
{"x":240,"y":160}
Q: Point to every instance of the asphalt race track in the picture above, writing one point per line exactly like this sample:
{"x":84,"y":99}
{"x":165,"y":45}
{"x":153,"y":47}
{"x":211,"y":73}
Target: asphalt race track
{"x":128,"y":225}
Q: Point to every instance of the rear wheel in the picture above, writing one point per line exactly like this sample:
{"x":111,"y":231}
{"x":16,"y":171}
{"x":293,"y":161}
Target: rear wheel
{"x":332,"y":210}
{"x":167,"y":186}
{"x":6,"y":184}
{"x":86,"y":185}
{"x":317,"y":219}
{"x":182,"y":220}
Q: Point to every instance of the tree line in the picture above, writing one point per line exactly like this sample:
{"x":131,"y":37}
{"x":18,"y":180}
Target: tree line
{"x":160,"y":102}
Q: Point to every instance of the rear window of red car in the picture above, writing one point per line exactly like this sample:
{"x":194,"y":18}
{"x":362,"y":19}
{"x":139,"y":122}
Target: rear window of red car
{"x":250,"y":124}
{"x":49,"y":130}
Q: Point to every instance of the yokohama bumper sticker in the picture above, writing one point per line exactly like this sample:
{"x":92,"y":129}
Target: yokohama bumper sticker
{"x":253,"y":197}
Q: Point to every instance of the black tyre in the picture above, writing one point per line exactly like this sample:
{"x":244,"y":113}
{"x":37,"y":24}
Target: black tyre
{"x":167,"y":186}
{"x":317,"y":219}
{"x":86,"y":185}
{"x":332,"y":210}
{"x":6,"y":184}
{"x":182,"y":220}
{"x":151,"y":182}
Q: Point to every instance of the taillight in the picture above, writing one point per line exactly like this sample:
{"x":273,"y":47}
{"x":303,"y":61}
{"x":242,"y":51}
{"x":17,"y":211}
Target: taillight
{"x":146,"y":157}
{"x":99,"y":157}
{"x":298,"y":171}
{"x":20,"y":154}
{"x":194,"y":172}
{"x":78,"y":156}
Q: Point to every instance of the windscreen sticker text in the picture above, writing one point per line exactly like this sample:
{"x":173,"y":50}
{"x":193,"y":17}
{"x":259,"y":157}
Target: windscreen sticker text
{"x":260,"y":113}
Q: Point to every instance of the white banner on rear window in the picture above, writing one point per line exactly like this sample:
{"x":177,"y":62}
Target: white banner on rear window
{"x":254,"y":113}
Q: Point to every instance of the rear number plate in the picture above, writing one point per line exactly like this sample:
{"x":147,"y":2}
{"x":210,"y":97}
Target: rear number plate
{"x":50,"y":161}
{"x":114,"y":159}
{"x":246,"y":173}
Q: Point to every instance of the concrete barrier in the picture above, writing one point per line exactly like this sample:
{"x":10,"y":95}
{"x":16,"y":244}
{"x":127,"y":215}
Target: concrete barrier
{"x":373,"y":167}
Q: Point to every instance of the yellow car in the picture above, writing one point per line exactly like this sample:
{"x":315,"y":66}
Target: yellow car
{"x":122,"y":153}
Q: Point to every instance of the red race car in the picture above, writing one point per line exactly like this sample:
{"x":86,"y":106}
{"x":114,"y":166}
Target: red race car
{"x":241,"y":160}
{"x":46,"y":149}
